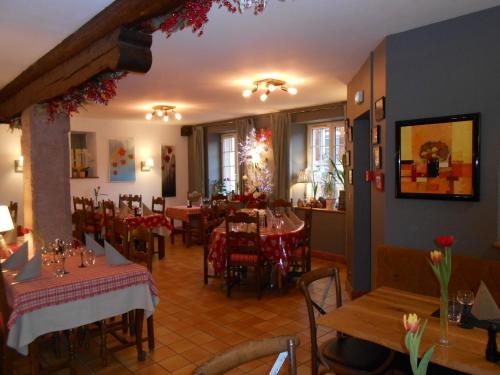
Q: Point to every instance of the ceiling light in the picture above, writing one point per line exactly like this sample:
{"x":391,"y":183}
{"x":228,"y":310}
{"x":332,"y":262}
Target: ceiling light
{"x":270,"y":85}
{"x":161,"y":111}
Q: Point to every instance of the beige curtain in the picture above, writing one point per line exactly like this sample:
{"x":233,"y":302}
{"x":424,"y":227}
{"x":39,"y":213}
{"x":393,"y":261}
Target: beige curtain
{"x":196,"y":160}
{"x":243,"y":128}
{"x":280,"y":130}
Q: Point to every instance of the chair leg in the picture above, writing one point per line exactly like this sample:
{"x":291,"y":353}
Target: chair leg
{"x":139,"y":318}
{"x":151,"y":333}
{"x":161,"y":247}
{"x":131,"y":322}
{"x":228,"y":281}
{"x":104,"y":345}
{"x":125,"y":323}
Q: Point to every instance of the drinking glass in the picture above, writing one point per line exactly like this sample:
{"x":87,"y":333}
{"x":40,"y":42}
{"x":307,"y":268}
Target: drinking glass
{"x":46,"y":256}
{"x":58,"y":266}
{"x":466,"y":299}
{"x":89,"y":257}
{"x":454,"y":310}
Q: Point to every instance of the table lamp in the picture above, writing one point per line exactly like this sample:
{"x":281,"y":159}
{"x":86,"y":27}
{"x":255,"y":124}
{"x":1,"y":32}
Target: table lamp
{"x":6,"y":224}
{"x":304,"y":177}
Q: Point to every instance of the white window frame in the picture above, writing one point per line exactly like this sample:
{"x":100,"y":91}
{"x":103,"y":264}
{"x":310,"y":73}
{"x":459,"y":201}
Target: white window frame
{"x":331,"y":125}
{"x":222,"y":138}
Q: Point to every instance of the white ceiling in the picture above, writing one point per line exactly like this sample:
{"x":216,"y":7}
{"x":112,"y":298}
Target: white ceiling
{"x":317,"y":44}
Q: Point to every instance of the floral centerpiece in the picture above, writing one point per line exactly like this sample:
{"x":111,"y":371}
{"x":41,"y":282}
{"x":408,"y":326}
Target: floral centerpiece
{"x":413,"y":337}
{"x":441,"y":266}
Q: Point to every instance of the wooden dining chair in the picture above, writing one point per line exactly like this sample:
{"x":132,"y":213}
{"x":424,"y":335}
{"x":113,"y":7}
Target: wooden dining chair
{"x":251,"y":351}
{"x":344,"y":355}
{"x":300,"y":260}
{"x":243,"y":249}
{"x":158,"y":206}
{"x":135,"y":202}
{"x":91,"y":218}
{"x":78,"y":204}
{"x":123,"y":200}
{"x":209,"y":220}
{"x":108,"y":217}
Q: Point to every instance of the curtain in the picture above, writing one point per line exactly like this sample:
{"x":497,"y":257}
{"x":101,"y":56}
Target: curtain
{"x":280,"y":131}
{"x":243,"y":128}
{"x":196,"y":160}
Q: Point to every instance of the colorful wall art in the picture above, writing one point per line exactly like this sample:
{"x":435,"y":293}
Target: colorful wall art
{"x":121,"y":160}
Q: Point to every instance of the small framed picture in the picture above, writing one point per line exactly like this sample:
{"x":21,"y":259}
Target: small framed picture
{"x":377,"y":157}
{"x":349,"y":176}
{"x":380,"y":109}
{"x":376,"y":134}
{"x":379,"y":181}
{"x":348,"y":158}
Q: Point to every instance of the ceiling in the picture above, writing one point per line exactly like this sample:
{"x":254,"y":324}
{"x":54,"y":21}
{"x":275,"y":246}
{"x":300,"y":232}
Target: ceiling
{"x":317,"y":45}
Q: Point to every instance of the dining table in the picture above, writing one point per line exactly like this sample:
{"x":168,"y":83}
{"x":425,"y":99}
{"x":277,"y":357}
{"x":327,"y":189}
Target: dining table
{"x":378,"y":317}
{"x":276,"y":243}
{"x":183,"y":214}
{"x":84,"y":295}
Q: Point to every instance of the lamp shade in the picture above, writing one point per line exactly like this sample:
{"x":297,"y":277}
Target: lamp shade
{"x":150,"y":163}
{"x":6,"y":223}
{"x":304,"y":177}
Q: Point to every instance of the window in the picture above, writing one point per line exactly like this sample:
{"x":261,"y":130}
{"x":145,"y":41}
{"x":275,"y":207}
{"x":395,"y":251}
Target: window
{"x":325,"y":141}
{"x":229,"y":161}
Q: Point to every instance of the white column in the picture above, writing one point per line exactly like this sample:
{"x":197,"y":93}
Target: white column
{"x":45,"y":147}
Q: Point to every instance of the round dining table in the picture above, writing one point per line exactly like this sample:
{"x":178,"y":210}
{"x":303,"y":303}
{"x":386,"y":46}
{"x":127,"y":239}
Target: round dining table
{"x":276,"y":246}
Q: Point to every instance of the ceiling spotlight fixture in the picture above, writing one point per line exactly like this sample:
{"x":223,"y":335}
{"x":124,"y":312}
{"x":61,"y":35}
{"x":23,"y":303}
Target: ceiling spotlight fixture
{"x":269,"y":85}
{"x":162,"y":112}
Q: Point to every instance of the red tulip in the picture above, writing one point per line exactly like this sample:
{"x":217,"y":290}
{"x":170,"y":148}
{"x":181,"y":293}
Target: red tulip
{"x":444,"y":241}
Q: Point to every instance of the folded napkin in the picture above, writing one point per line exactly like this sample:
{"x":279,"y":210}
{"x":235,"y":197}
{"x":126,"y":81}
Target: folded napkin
{"x":270,"y":218}
{"x":294,"y":218}
{"x":113,"y":257}
{"x":31,"y":269}
{"x":485,"y":307}
{"x":288,"y":222}
{"x":17,"y":260}
{"x":92,"y":244}
{"x":146,"y":210}
{"x":124,"y":211}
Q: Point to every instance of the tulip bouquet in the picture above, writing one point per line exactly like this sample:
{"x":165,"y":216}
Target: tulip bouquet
{"x":413,"y":337}
{"x":441,"y":266}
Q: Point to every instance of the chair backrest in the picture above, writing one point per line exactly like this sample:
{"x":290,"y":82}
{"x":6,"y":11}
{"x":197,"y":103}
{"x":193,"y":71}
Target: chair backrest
{"x":4,"y":308}
{"x":108,"y":209}
{"x":123,"y":199}
{"x":315,"y":297}
{"x":78,"y":204}
{"x":120,"y":238}
{"x":135,"y":201}
{"x":13,"y":211}
{"x":88,"y":204}
{"x":78,"y":224}
{"x":242,"y":234}
{"x":158,"y":205}
{"x":251,"y":351}
{"x":308,"y":228}
{"x":141,"y":246}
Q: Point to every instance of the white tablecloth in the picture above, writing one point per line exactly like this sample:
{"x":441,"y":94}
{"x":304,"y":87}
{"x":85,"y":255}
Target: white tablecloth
{"x":78,"y":313}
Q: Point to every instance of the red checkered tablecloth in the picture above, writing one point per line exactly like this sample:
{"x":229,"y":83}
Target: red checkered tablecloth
{"x":47,"y":290}
{"x":150,"y":221}
{"x":275,"y":245}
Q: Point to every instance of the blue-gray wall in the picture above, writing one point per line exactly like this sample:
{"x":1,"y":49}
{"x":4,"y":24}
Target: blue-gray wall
{"x":447,"y":68}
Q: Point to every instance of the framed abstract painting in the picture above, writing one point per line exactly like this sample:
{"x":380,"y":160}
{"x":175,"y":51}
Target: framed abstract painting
{"x":121,"y":160}
{"x":438,"y":158}
{"x":168,"y":171}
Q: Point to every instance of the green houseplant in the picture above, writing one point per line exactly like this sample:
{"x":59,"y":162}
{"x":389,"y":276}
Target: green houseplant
{"x":338,"y":175}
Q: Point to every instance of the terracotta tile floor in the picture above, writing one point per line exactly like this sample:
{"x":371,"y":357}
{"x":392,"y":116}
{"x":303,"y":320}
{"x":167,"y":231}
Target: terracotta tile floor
{"x":193,"y":322}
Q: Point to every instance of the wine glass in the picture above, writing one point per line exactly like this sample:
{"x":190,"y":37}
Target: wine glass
{"x":89,"y":257}
{"x":46,"y":256}
{"x":466,"y":299}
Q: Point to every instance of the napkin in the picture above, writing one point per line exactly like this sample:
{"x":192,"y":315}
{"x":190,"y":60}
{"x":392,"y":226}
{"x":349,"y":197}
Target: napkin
{"x":113,"y":257}
{"x":146,"y":210}
{"x":294,"y":218}
{"x":124,"y":212}
{"x":270,"y":218}
{"x":288,"y":222}
{"x":31,"y":269}
{"x":485,"y":307}
{"x":17,"y":260}
{"x":92,"y":244}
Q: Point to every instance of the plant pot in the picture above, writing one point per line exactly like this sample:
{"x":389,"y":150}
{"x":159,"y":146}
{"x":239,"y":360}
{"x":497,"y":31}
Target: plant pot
{"x":329,"y":203}
{"x":341,"y":202}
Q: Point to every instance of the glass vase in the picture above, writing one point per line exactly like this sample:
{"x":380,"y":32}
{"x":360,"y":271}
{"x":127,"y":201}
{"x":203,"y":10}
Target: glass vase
{"x":443,"y":318}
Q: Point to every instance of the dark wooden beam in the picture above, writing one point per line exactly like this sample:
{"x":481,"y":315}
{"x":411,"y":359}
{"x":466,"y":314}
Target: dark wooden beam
{"x":121,"y":50}
{"x":118,"y":14}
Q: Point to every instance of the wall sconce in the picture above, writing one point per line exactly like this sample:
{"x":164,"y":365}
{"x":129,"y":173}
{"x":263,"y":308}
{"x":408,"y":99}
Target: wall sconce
{"x":147,"y":165}
{"x":19,"y":165}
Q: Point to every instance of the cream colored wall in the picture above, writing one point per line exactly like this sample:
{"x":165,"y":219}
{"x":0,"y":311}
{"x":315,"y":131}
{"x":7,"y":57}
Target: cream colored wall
{"x":148,"y":137}
{"x":11,"y":186}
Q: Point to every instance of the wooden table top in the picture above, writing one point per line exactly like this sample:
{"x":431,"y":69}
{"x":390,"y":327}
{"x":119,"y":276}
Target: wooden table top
{"x":378,"y":317}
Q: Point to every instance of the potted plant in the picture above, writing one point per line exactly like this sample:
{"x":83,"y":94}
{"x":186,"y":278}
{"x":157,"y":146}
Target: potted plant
{"x":338,"y":175}
{"x":327,"y":181}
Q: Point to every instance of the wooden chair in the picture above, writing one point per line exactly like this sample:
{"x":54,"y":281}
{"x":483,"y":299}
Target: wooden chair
{"x":158,"y":206}
{"x":251,"y":351}
{"x":78,"y":204}
{"x":91,"y":218}
{"x":135,"y":202}
{"x":342,"y":354}
{"x":123,"y":199}
{"x":78,"y":225}
{"x":301,"y":255}
{"x":209,"y":220}
{"x":243,"y":249}
{"x":108,"y":213}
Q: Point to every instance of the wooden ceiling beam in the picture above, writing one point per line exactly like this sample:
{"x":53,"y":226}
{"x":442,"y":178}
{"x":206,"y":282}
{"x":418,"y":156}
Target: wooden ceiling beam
{"x":75,"y":47}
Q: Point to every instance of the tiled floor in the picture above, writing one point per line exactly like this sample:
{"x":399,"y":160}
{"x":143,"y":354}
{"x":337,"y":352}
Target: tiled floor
{"x":193,"y":322}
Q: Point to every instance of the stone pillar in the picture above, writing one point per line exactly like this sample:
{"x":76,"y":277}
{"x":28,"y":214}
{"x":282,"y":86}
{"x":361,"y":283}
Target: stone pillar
{"x":45,"y":147}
